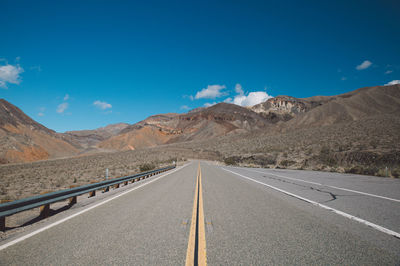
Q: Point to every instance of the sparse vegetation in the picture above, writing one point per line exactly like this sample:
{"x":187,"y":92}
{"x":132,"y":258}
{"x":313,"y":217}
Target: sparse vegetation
{"x":147,"y":167}
{"x":396,"y":172}
{"x":29,"y":179}
{"x":231,"y":160}
{"x":286,"y":163}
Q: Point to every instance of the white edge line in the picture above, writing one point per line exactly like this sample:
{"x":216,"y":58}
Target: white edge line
{"x":345,"y":189}
{"x":15,"y":241}
{"x":375,"y":226}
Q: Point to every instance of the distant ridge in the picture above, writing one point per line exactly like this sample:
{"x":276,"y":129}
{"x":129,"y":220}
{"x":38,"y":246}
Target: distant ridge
{"x":22,"y":139}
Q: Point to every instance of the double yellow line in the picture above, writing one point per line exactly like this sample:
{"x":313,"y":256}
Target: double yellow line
{"x":196,"y":251}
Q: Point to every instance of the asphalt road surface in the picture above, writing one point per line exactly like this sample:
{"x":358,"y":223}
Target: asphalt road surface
{"x":251,"y":217}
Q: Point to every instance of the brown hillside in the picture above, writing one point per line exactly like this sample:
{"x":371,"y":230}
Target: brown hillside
{"x":203,"y":123}
{"x":24,"y":140}
{"x":350,"y":106}
{"x":88,"y":139}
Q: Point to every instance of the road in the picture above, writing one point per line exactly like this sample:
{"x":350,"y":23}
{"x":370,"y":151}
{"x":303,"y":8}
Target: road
{"x":251,"y":217}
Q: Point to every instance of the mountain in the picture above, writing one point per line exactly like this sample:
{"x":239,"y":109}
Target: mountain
{"x":202,"y":123}
{"x":88,"y":139}
{"x":150,"y":132}
{"x":351,"y":106}
{"x":278,"y":114}
{"x":24,"y":140}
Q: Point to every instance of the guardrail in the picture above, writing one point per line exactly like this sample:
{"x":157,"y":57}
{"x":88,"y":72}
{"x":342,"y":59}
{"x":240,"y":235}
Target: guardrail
{"x":44,"y":201}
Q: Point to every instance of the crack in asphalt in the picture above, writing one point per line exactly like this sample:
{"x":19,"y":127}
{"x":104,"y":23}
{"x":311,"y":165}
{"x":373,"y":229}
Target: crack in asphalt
{"x":333,"y":196}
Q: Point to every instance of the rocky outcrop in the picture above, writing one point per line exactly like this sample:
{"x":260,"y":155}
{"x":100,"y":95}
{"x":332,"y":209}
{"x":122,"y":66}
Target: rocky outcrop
{"x":283,"y":108}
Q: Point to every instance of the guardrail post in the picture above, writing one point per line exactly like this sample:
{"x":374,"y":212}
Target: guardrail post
{"x":3,"y":224}
{"x":106,"y":189}
{"x":125,"y":183}
{"x":73,"y":200}
{"x":45,"y":211}
{"x":116,"y":186}
{"x":92,"y":193}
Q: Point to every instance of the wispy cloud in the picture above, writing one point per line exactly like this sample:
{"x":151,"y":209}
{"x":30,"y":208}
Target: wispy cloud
{"x":393,"y":82}
{"x":388,"y":72}
{"x":364,"y":65}
{"x":10,"y":74}
{"x":343,"y":78}
{"x":66,"y":97}
{"x":62,"y":107}
{"x":41,"y":111}
{"x":36,"y":68}
{"x":185,"y":107}
{"x":211,"y":92}
{"x":239,"y":89}
{"x":102,"y":105}
{"x":188,"y":97}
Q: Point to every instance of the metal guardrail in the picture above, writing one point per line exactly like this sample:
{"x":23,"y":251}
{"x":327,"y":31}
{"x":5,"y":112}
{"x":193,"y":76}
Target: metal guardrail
{"x":10,"y":208}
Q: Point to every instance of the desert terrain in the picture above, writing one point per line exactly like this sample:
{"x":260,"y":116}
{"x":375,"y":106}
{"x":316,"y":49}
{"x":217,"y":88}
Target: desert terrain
{"x":356,"y":132}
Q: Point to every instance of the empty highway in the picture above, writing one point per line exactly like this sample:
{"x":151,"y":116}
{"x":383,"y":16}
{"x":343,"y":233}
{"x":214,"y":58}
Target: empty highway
{"x":241,"y":216}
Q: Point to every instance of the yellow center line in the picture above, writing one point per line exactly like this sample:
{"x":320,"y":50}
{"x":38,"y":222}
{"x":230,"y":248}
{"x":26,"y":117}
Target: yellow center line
{"x":196,"y":251}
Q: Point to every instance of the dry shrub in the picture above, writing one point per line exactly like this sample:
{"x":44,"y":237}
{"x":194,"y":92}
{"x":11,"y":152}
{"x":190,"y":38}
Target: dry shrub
{"x":147,"y":167}
{"x":286,"y":163}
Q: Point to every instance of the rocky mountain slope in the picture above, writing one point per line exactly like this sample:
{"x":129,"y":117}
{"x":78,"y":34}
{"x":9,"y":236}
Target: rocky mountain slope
{"x":24,"y":140}
{"x":351,"y":106}
{"x":88,"y":139}
{"x":203,"y":123}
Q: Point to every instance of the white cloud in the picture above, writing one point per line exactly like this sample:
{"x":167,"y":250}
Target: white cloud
{"x":66,"y":97}
{"x":251,"y":99}
{"x":211,"y":92}
{"x":185,"y":107}
{"x":239,"y":89}
{"x":393,"y":82}
{"x":10,"y":74}
{"x":364,"y":65}
{"x":62,"y":107}
{"x":40,"y":114}
{"x":188,"y":97}
{"x":209,"y":104}
{"x":343,"y":78}
{"x":388,"y":71}
{"x":102,"y":105}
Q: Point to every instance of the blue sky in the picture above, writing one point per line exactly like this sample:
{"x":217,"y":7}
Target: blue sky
{"x":74,"y":65}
